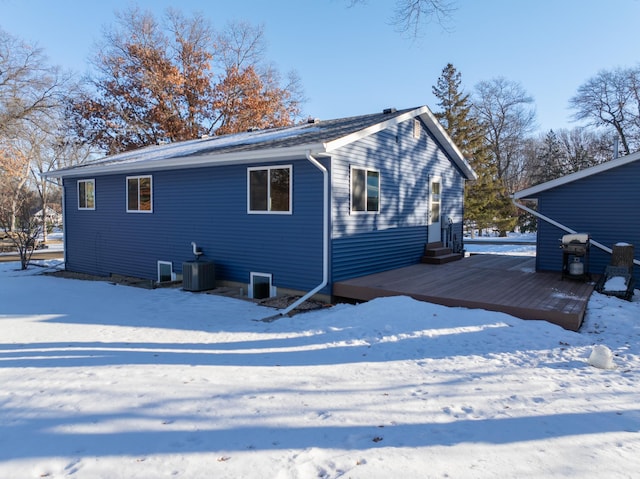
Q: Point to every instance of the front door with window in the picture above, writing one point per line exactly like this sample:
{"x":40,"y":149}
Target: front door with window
{"x":435,"y":196}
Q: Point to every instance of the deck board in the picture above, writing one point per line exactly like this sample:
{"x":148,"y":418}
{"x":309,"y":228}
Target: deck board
{"x":497,"y":283}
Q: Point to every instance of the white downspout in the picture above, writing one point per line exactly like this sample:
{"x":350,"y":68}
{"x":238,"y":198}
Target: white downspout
{"x":563,"y":227}
{"x":325,"y":239}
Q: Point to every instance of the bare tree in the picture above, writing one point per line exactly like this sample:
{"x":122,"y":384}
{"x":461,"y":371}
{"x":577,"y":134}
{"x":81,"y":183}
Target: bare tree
{"x":411,"y":16}
{"x":50,"y":149}
{"x":14,"y":175}
{"x":30,"y":89}
{"x":612,"y":99}
{"x":585,"y":148}
{"x":31,"y":98}
{"x":506,"y":112}
{"x":553,"y":155}
{"x":240,"y":45}
{"x":251,"y":94}
{"x":16,"y":218}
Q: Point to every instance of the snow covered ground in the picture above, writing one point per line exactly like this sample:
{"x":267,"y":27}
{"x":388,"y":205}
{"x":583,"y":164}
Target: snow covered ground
{"x":105,"y":381}
{"x":510,"y":246}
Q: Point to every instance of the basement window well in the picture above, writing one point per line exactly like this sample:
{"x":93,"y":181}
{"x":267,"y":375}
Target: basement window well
{"x":261,"y":286}
{"x":165,"y":272}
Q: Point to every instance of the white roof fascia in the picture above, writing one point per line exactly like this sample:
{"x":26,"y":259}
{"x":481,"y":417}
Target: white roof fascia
{"x":445,"y":140}
{"x":370,"y":130}
{"x":192,"y":161}
{"x":578,"y":175}
{"x":431,"y":122}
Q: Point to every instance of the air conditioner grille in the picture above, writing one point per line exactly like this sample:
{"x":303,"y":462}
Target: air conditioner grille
{"x":198,"y":276}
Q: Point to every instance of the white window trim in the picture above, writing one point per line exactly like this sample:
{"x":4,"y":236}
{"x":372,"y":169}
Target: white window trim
{"x":138,"y":177}
{"x":87,"y":180}
{"x":272,"y":288}
{"x":435,"y":179}
{"x":163,"y":263}
{"x":365,"y":212}
{"x":268,"y":211}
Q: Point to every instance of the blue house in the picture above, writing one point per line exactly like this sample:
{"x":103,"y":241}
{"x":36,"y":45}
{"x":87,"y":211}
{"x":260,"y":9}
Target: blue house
{"x":294,"y":208}
{"x":601,"y":201}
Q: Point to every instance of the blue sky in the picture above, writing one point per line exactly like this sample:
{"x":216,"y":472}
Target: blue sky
{"x":352,"y":61}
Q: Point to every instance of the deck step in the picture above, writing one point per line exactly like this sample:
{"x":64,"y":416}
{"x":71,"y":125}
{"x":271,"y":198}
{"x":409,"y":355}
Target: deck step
{"x":437,"y":253}
{"x":440,"y":251}
{"x":441,"y":259}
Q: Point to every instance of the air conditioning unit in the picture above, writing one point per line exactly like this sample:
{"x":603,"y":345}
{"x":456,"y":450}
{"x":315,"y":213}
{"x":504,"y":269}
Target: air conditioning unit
{"x":198,"y":276}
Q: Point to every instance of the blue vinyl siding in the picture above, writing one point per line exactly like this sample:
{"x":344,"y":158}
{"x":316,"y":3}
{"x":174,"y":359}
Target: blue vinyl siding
{"x":364,"y":243}
{"x":603,"y":205}
{"x":368,"y":253}
{"x":205,"y":205}
{"x":208,"y":205}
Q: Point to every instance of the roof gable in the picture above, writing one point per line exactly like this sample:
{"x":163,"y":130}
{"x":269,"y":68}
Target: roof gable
{"x":316,"y":137}
{"x":594,"y":170}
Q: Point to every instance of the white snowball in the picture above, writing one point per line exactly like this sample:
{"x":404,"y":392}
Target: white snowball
{"x":601,"y":357}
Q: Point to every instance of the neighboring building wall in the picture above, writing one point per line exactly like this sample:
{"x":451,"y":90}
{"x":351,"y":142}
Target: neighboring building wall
{"x":603,"y":205}
{"x":365,"y":243}
{"x":205,"y":205}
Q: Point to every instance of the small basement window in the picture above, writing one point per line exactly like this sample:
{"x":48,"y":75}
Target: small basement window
{"x":139,"y":194}
{"x":165,"y":271}
{"x":261,"y":286}
{"x":86,"y":194}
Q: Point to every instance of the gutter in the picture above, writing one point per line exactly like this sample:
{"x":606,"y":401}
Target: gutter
{"x":164,"y":160}
{"x":563,"y":227}
{"x":325,"y":242}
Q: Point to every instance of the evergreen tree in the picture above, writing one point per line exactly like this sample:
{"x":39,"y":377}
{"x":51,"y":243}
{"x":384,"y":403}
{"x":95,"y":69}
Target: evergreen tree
{"x":486,"y":201}
{"x":550,"y":160}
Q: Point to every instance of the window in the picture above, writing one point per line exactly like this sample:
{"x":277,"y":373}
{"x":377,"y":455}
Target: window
{"x":269,"y":189}
{"x":435,"y":198}
{"x":86,"y":194}
{"x":139,"y":194}
{"x":365,"y":190}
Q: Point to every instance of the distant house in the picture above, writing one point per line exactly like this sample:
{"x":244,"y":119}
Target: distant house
{"x":52,"y":217}
{"x":601,"y":201}
{"x":298,"y":208}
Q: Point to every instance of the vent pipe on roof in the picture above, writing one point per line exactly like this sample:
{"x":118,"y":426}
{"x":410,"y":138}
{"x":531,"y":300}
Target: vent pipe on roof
{"x":312,"y":120}
{"x":388,"y":111}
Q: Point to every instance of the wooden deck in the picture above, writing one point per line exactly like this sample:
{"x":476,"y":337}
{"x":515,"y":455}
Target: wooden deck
{"x":507,"y":284}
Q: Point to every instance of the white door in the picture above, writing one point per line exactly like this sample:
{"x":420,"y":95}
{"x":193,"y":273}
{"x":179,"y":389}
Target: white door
{"x":435,"y":195}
